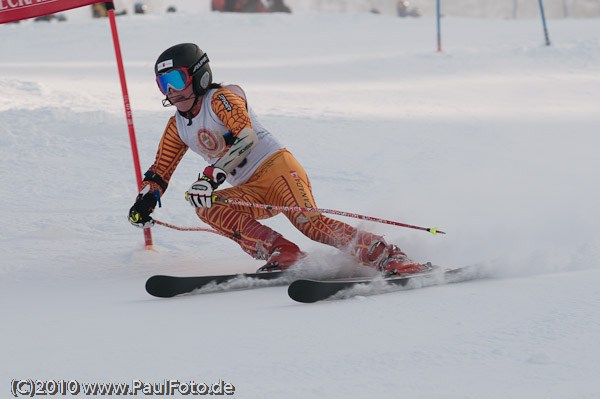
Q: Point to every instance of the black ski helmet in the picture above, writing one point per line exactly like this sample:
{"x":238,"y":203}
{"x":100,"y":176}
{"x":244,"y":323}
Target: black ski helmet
{"x":187,"y":55}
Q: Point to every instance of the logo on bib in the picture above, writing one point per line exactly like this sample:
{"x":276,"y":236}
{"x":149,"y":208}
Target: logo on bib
{"x":211,"y":143}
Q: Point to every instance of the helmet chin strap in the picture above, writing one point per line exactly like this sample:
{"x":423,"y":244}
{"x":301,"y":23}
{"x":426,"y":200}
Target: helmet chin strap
{"x":186,"y":114}
{"x":168,"y":103}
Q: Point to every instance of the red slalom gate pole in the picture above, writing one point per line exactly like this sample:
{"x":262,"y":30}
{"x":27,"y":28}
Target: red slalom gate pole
{"x":136,"y":159}
{"x":432,"y":230}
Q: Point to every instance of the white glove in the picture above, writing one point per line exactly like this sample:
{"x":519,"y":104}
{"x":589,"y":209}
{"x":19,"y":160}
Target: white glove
{"x":200,"y":194}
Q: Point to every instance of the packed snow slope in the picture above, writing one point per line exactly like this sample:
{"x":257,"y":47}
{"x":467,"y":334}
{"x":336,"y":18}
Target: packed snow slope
{"x":494,"y":141}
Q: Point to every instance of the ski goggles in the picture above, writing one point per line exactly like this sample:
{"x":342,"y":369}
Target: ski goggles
{"x":177,"y":79}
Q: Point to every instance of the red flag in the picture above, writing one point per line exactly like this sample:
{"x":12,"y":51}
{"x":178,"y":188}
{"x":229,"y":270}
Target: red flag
{"x":14,"y":10}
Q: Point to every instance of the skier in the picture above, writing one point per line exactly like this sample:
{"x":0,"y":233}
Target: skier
{"x":216,"y":122}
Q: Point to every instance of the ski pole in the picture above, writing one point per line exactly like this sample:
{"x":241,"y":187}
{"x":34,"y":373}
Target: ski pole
{"x":433,"y":230}
{"x":172,"y":226}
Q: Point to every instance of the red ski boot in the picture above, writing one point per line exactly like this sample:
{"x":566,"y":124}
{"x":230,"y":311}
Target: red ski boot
{"x":283,"y":255}
{"x":388,"y":259}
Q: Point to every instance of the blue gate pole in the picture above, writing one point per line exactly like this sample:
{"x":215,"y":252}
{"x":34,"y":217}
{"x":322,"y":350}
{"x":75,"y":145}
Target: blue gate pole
{"x":439,"y":34}
{"x":544,"y":23}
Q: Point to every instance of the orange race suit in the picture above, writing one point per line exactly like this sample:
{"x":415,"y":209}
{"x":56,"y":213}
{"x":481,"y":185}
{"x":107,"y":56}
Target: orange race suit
{"x":269,"y":175}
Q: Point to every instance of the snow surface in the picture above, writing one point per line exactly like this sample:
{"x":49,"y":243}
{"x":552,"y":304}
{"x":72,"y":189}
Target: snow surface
{"x":495,"y":141}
